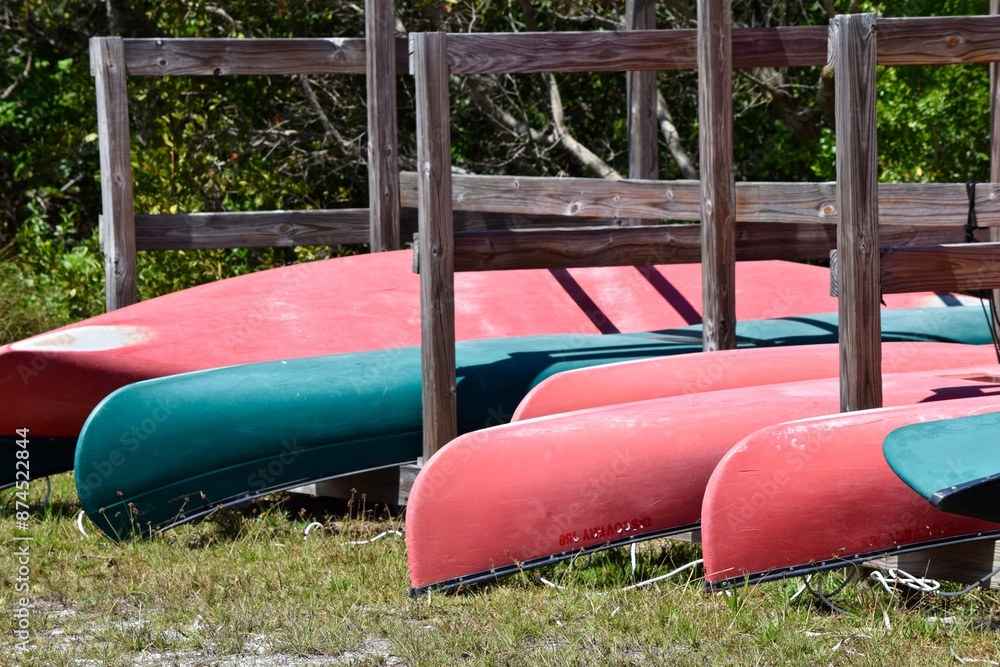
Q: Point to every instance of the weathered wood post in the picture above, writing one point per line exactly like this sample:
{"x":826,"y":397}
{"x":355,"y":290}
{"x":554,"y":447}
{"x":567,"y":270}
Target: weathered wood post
{"x":853,"y":42}
{"x":718,"y":189}
{"x":429,"y":65}
{"x":117,"y":224}
{"x":643,"y":149}
{"x":383,"y":158}
{"x":995,"y":140}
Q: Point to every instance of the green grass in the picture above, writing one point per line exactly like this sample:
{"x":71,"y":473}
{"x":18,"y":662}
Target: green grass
{"x":247,"y":584}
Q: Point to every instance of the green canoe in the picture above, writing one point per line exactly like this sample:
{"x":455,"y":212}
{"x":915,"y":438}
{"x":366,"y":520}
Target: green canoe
{"x":954,"y":463}
{"x":161,"y":452}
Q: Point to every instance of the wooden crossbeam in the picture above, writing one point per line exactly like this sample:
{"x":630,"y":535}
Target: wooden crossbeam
{"x":936,"y":268}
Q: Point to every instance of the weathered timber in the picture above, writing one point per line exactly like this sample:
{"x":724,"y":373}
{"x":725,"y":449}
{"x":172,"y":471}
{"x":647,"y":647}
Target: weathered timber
{"x":933,"y":204}
{"x":624,"y":51}
{"x":224,"y":57}
{"x":387,"y":486}
{"x":963,"y":563}
{"x":564,"y":248}
{"x":643,"y":147}
{"x":718,"y":187}
{"x":429,"y":60}
{"x":253,"y":229}
{"x":940,"y":268}
{"x":853,"y":42}
{"x":383,"y":160}
{"x":938,"y":40}
{"x":994,"y":233}
{"x":117,"y":223}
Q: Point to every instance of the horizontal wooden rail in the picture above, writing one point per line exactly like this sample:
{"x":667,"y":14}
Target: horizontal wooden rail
{"x":657,"y":244}
{"x":936,"y":204}
{"x":255,"y":229}
{"x":938,"y":40}
{"x":937,"y":268}
{"x":223,"y":57}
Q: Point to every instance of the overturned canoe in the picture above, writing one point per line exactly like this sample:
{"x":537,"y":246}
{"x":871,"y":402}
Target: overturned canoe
{"x":954,"y":463}
{"x":817,"y":494}
{"x":532,"y":492}
{"x":50,"y":383}
{"x":166,"y":450}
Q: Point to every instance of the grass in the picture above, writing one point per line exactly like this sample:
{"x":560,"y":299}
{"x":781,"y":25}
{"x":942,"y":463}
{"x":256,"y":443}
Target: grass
{"x":246,"y":588}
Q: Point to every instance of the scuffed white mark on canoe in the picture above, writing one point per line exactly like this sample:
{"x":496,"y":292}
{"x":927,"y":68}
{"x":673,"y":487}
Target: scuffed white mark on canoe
{"x":85,"y":339}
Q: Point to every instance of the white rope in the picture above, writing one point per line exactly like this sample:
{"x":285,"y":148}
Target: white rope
{"x":665,"y":576}
{"x":314,"y":524}
{"x":376,"y":538}
{"x":896,"y":577}
{"x":550,"y":584}
{"x":633,"y":558}
{"x":79,"y":523}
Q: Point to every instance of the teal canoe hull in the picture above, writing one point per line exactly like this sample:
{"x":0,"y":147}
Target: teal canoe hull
{"x":954,"y":463}
{"x":164,"y":451}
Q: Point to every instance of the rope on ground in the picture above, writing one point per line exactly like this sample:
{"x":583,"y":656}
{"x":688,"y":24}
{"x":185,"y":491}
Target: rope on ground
{"x":79,"y":523}
{"x":897,"y":577}
{"x":314,"y":524}
{"x":550,"y":584}
{"x":378,"y":537}
{"x":665,"y":576}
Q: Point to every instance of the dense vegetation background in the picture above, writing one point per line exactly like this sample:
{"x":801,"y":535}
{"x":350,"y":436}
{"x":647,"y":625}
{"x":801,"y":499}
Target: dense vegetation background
{"x":256,"y":143}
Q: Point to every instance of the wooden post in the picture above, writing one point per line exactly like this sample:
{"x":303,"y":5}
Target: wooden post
{"x":718,"y":190}
{"x":643,"y":148}
{"x":117,"y":223}
{"x":383,"y":160}
{"x":429,"y":64}
{"x":853,"y":41}
{"x":995,"y":140}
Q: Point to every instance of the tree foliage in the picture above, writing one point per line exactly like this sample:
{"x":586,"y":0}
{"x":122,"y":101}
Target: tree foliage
{"x":252,"y":143}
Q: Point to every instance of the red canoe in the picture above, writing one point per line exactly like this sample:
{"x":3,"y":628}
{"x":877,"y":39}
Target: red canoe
{"x":525,"y":494}
{"x":646,"y":379}
{"x":817,"y":494}
{"x":51,"y":382}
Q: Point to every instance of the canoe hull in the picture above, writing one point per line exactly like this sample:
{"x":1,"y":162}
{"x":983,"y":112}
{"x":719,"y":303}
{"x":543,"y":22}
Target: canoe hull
{"x":534,"y":491}
{"x":817,"y":494}
{"x":953,"y":463}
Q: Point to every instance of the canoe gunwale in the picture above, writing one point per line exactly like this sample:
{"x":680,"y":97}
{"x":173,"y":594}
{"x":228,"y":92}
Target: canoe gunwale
{"x":486,"y":576}
{"x":837,"y":563}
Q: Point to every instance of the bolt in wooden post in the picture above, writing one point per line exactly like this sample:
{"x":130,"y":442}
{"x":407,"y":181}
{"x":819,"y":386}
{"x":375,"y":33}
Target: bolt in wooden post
{"x":117,"y":222}
{"x":853,"y":41}
{"x":429,"y":64}
{"x":718,"y":189}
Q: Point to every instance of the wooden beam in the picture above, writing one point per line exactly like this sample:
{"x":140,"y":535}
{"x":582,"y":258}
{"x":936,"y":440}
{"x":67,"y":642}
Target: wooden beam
{"x":429,"y":63}
{"x":565,"y":248}
{"x":265,"y":57}
{"x":940,"y":268}
{"x":624,"y":51}
{"x":643,"y":147}
{"x":117,"y":221}
{"x":718,"y":188}
{"x":853,"y":42}
{"x":251,"y":229}
{"x":938,"y":40}
{"x":383,"y":159}
{"x":994,"y":233}
{"x":932,"y":204}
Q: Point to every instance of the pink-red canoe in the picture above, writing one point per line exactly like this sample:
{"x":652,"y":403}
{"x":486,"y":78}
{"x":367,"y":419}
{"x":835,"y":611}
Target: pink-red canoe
{"x":50,"y":383}
{"x":525,"y":494}
{"x":817,"y":494}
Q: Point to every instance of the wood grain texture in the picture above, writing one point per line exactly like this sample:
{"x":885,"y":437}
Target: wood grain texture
{"x":718,"y":188}
{"x":623,"y":51}
{"x":429,"y":60}
{"x":932,"y":204}
{"x":853,"y":43}
{"x":383,"y":158}
{"x":571,"y":247}
{"x":939,"y":40}
{"x":264,"y":57}
{"x":117,"y":221}
{"x":940,"y":268}
{"x":643,"y":147}
{"x":994,"y":233}
{"x":255,"y":229}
